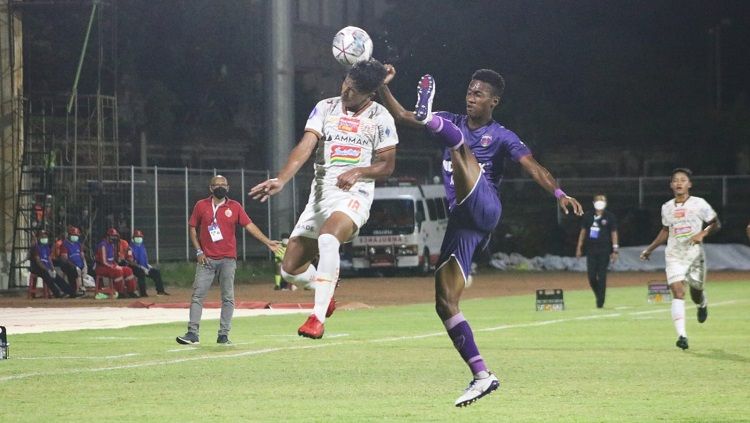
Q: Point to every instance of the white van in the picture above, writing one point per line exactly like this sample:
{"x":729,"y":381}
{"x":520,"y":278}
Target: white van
{"x":404,"y":231}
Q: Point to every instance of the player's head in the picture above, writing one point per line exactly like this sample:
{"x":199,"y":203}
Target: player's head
{"x":680,"y":182}
{"x":484,"y":92}
{"x":600,"y":202}
{"x":43,"y":237}
{"x":138,"y":236}
{"x":361,"y":82}
{"x":219,"y":186}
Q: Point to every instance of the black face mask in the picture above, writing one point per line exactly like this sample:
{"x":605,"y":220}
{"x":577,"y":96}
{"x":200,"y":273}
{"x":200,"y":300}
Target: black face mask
{"x":220,"y":192}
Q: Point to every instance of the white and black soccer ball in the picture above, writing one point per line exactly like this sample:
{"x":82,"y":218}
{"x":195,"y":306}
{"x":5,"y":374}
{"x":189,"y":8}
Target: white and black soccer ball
{"x":351,"y":45}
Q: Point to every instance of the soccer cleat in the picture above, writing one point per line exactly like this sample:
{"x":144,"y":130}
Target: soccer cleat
{"x":224,"y":340}
{"x":312,"y":328}
{"x":188,"y":339}
{"x":702,"y":314}
{"x":331,"y":307}
{"x":682,"y":343}
{"x":477,"y":389}
{"x":425,"y":94}
{"x":162,"y":293}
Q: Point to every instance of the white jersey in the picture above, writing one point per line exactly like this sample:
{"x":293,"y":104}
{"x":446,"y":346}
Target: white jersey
{"x":348,"y":140}
{"x":684,"y":220}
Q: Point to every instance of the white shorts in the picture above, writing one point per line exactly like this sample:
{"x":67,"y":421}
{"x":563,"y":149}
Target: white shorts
{"x":317,"y":211}
{"x":687,"y":265}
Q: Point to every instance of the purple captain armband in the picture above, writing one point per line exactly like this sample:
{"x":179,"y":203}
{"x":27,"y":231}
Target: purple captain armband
{"x":559,"y":193}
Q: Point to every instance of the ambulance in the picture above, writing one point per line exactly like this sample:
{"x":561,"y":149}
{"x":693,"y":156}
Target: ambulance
{"x":405,"y":229}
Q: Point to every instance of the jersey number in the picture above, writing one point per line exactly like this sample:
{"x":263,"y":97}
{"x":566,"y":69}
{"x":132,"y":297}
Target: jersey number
{"x":353,"y":204}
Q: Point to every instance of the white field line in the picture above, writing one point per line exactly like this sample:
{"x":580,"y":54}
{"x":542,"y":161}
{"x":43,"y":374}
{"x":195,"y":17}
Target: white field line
{"x":305,"y":347}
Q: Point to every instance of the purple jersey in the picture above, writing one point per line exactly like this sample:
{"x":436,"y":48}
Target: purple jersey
{"x":491,"y":145}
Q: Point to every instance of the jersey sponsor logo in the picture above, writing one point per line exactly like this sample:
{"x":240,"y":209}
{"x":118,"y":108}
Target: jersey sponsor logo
{"x":228,"y":213}
{"x":682,"y":230}
{"x":345,"y":154}
{"x":485,"y":140}
{"x":348,"y":124}
{"x":679,"y":213}
{"x":351,"y":139}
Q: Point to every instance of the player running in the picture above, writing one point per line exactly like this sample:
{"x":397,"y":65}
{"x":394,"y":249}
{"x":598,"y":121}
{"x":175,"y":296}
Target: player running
{"x":682,"y":218}
{"x":355,"y":142}
{"x":475,"y":149}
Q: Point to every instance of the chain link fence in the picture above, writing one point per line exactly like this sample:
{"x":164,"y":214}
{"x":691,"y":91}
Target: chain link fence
{"x":159,"y":201}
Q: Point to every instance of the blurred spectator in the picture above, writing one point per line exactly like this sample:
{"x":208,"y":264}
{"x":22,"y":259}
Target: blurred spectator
{"x":598,"y":237}
{"x":41,"y":266}
{"x":141,"y":267}
{"x":107,"y":265}
{"x":72,"y":257}
{"x":69,"y":269}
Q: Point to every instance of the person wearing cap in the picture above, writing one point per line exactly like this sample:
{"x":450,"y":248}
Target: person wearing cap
{"x":599,"y":239}
{"x":41,"y":265}
{"x":107,"y":265}
{"x":71,"y":257}
{"x":141,"y":267}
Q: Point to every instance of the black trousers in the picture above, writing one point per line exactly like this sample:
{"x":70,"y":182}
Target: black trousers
{"x":57,"y":285}
{"x":597,"y":264}
{"x":154,"y":274}
{"x":70,"y":270}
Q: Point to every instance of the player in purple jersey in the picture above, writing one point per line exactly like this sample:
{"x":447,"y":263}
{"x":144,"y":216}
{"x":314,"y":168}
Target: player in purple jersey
{"x":475,"y":150}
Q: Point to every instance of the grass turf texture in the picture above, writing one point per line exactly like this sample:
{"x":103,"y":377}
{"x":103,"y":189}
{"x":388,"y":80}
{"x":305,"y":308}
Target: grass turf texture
{"x":397,"y":364}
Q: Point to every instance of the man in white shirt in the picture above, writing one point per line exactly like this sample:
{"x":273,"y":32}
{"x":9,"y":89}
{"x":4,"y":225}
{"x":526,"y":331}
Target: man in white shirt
{"x":354,"y":139}
{"x":683,"y":219}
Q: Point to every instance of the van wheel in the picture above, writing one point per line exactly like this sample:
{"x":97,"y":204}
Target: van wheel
{"x":426,"y":267}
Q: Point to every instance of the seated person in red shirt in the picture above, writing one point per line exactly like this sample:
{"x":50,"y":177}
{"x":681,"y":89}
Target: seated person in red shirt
{"x":68,"y":255}
{"x":106,"y":265}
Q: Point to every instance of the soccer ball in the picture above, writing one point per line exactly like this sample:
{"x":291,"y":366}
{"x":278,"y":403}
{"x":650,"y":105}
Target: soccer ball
{"x":351,"y":45}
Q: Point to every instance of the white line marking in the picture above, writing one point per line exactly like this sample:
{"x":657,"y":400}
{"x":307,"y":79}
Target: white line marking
{"x":304,"y":347}
{"x":106,"y":357}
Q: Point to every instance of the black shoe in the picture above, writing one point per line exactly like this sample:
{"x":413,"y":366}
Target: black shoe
{"x":143,"y":295}
{"x":188,"y":339}
{"x":682,"y":343}
{"x":162,"y":293}
{"x":702,"y":314}
{"x":133,"y":295}
{"x":223,"y":339}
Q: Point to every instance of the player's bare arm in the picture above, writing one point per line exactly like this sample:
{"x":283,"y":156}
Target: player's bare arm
{"x":660,"y":239}
{"x":400,"y":115}
{"x":713,"y":226}
{"x":382,"y":166}
{"x":548,"y":182}
{"x":197,"y":245}
{"x":297,"y":158}
{"x":255,"y":231}
{"x":579,"y":245}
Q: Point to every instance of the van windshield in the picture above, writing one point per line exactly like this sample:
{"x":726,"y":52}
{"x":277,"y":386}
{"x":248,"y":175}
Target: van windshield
{"x":390,"y":217}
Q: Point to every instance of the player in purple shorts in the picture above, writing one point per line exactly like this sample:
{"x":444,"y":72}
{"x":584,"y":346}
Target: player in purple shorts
{"x":473,"y":159}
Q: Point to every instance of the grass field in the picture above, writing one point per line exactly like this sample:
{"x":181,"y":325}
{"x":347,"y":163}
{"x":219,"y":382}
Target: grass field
{"x":396,"y":364}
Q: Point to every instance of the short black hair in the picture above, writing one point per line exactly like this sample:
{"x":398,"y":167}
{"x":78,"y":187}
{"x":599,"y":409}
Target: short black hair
{"x":491,"y":77}
{"x":684,"y":170}
{"x":367,"y":75}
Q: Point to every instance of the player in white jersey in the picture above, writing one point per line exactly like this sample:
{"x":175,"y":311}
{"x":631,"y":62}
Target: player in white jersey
{"x":356,"y":142}
{"x":683,"y":219}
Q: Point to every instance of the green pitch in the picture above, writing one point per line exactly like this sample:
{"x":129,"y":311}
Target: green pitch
{"x":396,"y":364}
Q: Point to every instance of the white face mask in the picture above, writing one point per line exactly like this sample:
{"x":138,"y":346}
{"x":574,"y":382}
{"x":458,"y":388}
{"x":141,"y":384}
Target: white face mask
{"x":74,"y":238}
{"x":138,"y":240}
{"x":43,"y":241}
{"x":600,"y":205}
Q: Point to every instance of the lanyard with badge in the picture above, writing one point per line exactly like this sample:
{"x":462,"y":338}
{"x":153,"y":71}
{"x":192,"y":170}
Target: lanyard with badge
{"x":213,"y":228}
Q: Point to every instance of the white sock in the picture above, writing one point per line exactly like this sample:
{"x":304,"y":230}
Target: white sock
{"x":303,"y":280}
{"x":327,"y":275}
{"x":678,"y":316}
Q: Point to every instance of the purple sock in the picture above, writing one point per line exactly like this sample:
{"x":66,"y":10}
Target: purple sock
{"x":447,"y":131}
{"x":463,"y":339}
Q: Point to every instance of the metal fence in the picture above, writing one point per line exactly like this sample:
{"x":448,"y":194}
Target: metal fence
{"x":159,"y":201}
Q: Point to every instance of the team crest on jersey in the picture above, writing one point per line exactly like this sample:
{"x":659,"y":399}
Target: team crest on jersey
{"x":228,"y":213}
{"x":345,"y":154}
{"x":679,"y":213}
{"x":348,"y":124}
{"x":486,"y":140}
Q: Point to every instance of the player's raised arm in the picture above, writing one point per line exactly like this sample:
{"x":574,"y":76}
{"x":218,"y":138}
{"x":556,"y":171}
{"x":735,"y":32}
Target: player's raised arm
{"x":297,"y":158}
{"x":400,"y":115}
{"x":548,"y":182}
